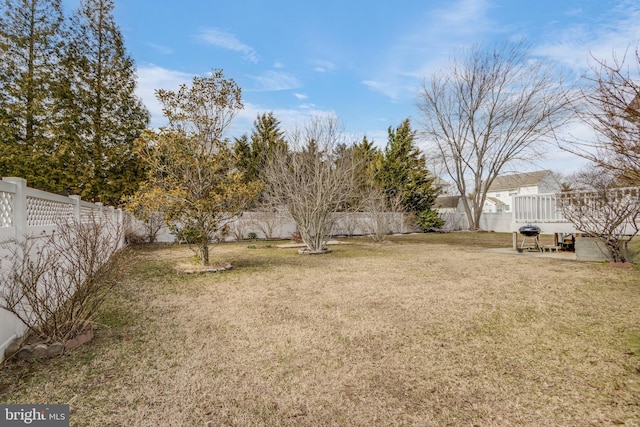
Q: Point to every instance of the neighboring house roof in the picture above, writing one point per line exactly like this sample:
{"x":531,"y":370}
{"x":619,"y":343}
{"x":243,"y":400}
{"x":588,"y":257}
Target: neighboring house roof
{"x":439,"y":182}
{"x":518,"y":180}
{"x":444,"y":202}
{"x":496,"y":202}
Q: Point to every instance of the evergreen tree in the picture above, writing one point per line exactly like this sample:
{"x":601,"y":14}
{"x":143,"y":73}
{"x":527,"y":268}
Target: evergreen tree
{"x":100,"y":116}
{"x":401,"y":172}
{"x":30,"y":41}
{"x":365,"y":153}
{"x":266,"y":138}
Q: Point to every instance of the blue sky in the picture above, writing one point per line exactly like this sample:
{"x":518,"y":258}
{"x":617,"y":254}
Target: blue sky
{"x":360,"y":61}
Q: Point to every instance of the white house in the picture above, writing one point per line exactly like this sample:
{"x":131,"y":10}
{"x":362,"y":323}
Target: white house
{"x":442,"y":186}
{"x":503,"y":188}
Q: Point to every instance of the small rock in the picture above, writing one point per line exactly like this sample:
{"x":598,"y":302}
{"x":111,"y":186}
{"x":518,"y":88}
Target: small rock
{"x":79,"y":340}
{"x":12,"y":348}
{"x":55,"y":349}
{"x":26,"y":353}
{"x":39,"y":351}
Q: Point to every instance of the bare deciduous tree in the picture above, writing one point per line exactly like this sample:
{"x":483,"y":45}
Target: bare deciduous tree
{"x":487,"y":109}
{"x":611,"y":107}
{"x":601,"y":208}
{"x":312,"y":182}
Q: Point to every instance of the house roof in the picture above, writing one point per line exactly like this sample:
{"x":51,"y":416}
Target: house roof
{"x":443,"y":202}
{"x":439,"y":182}
{"x":518,"y":180}
{"x":496,"y":202}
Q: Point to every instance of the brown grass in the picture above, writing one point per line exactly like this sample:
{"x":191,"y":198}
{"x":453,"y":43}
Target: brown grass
{"x":423,"y":330}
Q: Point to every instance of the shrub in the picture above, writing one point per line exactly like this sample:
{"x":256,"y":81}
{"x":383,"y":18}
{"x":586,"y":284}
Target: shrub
{"x":430,"y":220}
{"x":54,"y":284}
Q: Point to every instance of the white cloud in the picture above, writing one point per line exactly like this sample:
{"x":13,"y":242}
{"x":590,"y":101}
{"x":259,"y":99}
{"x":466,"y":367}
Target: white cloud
{"x":274,"y":80}
{"x":322,"y":66}
{"x":226,"y":40}
{"x":290,"y":119}
{"x":427,"y":44}
{"x":463,"y":17}
{"x":150,"y":78}
{"x":164,"y":50}
{"x":573,"y":45}
{"x":391,"y":88}
{"x":300,"y":96}
{"x":278,"y":64}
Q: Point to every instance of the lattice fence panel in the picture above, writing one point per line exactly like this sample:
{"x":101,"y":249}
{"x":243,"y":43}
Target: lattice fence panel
{"x":87,"y":214}
{"x":42,"y":212}
{"x":6,"y":209}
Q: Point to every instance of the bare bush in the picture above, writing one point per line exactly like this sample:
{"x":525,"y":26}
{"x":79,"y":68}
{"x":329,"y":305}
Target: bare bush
{"x":379,"y":210}
{"x":267,"y":221}
{"x":603,"y":210}
{"x":237,"y":228}
{"x":54,"y":284}
{"x":143,"y":227}
{"x":315,"y":183}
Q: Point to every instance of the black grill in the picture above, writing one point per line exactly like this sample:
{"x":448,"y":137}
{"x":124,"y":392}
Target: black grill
{"x":529,"y":230}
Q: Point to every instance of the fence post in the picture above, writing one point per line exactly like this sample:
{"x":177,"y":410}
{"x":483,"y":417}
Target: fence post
{"x":20,"y":220}
{"x":120,"y":226}
{"x":76,"y":208}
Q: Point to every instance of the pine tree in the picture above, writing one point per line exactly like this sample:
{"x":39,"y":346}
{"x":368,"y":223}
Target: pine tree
{"x":100,"y":115}
{"x":401,"y":172}
{"x":266,"y":138}
{"x":30,"y":41}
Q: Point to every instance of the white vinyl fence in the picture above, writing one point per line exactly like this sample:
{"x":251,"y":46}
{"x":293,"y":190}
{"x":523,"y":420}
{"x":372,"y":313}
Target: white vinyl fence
{"x":279,"y":225}
{"x":26,"y":213}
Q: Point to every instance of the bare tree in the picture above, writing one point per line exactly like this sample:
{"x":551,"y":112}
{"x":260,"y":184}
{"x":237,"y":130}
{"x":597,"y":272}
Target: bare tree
{"x":486,"y":110}
{"x":611,"y":107}
{"x":601,"y":208}
{"x":312,"y":182}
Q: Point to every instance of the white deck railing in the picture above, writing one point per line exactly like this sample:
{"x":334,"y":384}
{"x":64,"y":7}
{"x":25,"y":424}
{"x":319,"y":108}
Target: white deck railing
{"x":537,"y":208}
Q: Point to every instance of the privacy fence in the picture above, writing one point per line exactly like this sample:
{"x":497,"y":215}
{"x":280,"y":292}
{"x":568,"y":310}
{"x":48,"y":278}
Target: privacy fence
{"x":279,"y":225}
{"x":26,"y":213}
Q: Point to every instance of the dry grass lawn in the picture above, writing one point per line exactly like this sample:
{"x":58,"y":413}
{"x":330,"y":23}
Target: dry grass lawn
{"x":426,"y":330}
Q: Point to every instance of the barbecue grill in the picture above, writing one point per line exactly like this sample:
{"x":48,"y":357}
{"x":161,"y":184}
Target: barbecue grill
{"x":529,"y":231}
